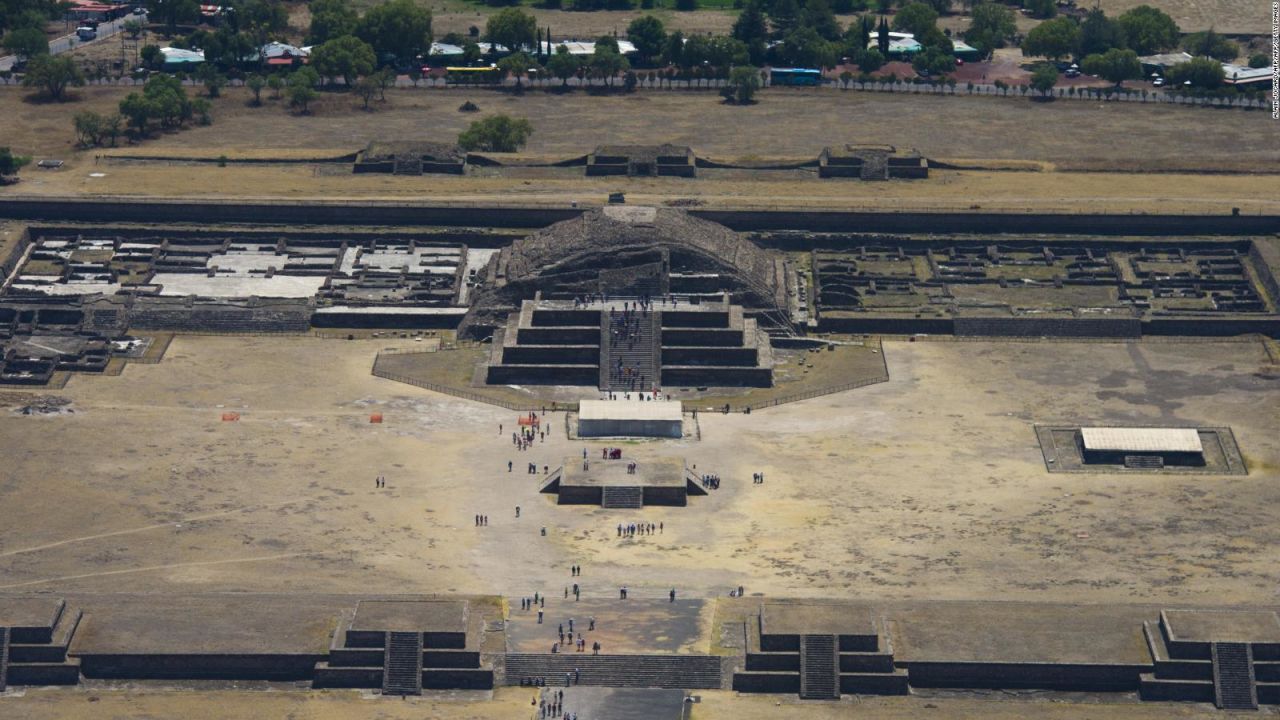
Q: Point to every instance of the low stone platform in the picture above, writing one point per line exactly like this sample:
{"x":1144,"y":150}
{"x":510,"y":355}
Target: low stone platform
{"x":609,"y":483}
{"x":1061,"y":447}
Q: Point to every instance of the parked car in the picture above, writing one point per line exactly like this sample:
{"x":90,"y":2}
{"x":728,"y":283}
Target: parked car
{"x":1073,"y":71}
{"x":139,"y":10}
{"x":86,"y":33}
{"x":1158,"y":82}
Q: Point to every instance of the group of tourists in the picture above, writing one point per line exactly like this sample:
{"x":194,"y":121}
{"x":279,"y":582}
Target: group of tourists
{"x":710,"y":482}
{"x":548,"y":709}
{"x":642,"y":529}
{"x":757,"y":478}
{"x":610,"y":453}
{"x":380,"y":481}
{"x":482,"y":521}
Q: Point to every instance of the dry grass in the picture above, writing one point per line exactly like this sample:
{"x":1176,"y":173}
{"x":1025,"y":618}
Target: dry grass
{"x":784,"y":122}
{"x":989,"y":135}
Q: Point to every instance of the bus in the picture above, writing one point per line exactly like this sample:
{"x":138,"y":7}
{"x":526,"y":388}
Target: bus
{"x":795,"y":76}
{"x":490,"y":75}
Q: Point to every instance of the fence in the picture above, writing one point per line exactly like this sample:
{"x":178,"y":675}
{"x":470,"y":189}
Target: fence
{"x":473,"y":396}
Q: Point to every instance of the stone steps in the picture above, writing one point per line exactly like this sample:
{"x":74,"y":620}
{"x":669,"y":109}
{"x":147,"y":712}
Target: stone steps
{"x":685,"y":672}
{"x":630,"y":497}
{"x":638,"y":354}
{"x":1233,"y":679}
{"x":818,"y":669}
{"x":402,"y":664}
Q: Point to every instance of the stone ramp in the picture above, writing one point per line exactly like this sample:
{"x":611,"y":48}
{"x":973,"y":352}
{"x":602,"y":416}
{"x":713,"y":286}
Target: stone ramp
{"x":623,"y":671}
{"x":1233,"y":678}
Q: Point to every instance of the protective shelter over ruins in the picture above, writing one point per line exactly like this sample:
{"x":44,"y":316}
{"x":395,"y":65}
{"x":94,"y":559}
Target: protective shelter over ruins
{"x":630,"y":299}
{"x":624,"y":250}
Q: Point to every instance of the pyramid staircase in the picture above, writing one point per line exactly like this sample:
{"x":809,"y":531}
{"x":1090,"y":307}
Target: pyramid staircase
{"x":628,"y":497}
{"x":1233,"y":681}
{"x":1232,"y":675}
{"x":402,"y":664}
{"x":640,"y":354}
{"x":685,"y":672}
{"x":818,"y":677}
{"x":819,"y":666}
{"x":38,"y":655}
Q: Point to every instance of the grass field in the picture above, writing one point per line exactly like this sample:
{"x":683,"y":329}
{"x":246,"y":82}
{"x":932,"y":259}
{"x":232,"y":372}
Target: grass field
{"x":785,"y":123}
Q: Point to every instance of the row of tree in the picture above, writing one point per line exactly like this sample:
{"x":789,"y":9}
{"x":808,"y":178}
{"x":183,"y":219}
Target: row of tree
{"x":1144,"y":30}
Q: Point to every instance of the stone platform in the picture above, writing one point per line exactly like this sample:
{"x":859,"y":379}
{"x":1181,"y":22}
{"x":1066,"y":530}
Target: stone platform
{"x":595,"y":481}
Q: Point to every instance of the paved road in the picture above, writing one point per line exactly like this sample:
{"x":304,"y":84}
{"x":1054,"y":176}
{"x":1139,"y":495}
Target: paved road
{"x":66,"y":42}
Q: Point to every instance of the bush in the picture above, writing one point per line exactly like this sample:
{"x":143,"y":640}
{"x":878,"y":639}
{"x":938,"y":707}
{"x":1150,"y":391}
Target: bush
{"x":10,"y":163}
{"x":468,"y":106}
{"x":498,"y":133}
{"x":687,"y":5}
{"x":1259,"y":60}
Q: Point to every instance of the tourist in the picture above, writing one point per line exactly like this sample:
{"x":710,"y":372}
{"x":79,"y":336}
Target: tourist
{"x":591,"y":623}
{"x":517,"y":511}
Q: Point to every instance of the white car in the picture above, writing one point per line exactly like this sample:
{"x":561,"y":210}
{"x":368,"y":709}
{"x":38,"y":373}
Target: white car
{"x":1158,"y":82}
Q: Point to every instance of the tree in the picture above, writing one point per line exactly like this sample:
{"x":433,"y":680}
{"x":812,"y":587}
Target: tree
{"x":1053,"y":39}
{"x":915,"y":18}
{"x":331,"y":19}
{"x":1043,"y":9}
{"x":347,"y":57}
{"x":255,"y":83}
{"x":1115,"y":65}
{"x":882,"y":37}
{"x":744,"y":81}
{"x":302,"y":88}
{"x":397,"y":28}
{"x":512,"y":28}
{"x":1043,"y":78}
{"x":1211,"y":44}
{"x":783,"y":16}
{"x":1099,"y":33}
{"x":806,"y":48}
{"x":498,"y":133}
{"x":53,"y":75}
{"x":674,"y":52}
{"x":870,"y":60}
{"x":212,"y":80}
{"x":606,"y":63}
{"x":817,"y":14}
{"x":10,"y":164}
{"x":942,"y":7}
{"x":992,"y":25}
{"x":366,"y":89}
{"x":1259,"y":60}
{"x":173,"y":12}
{"x":752,"y":30}
{"x":686,"y":5}
{"x":471,"y":52}
{"x":933,"y":61}
{"x":26,"y":42}
{"x":276,"y":83}
{"x":1148,"y":30}
{"x":137,"y":110}
{"x":151,"y":57}
{"x":648,"y":35}
{"x":563,"y":65}
{"x":1203,"y":73}
{"x":516,"y":65}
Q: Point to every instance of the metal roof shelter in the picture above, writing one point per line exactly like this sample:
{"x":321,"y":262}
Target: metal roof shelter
{"x":1141,"y":440}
